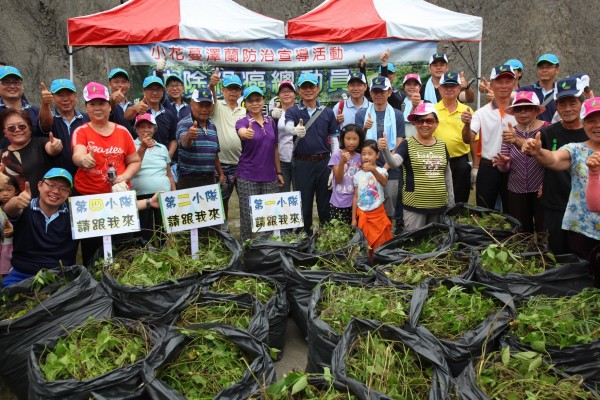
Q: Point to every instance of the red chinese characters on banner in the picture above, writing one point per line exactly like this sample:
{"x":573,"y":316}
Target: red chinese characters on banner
{"x":336,"y":53}
{"x":158,"y":52}
{"x":319,"y":53}
{"x":194,"y":53}
{"x":302,"y":54}
{"x":232,"y":54}
{"x":267,"y":55}
{"x":176,"y":53}
{"x":248,"y":55}
{"x":285,"y":55}
{"x":213,"y":54}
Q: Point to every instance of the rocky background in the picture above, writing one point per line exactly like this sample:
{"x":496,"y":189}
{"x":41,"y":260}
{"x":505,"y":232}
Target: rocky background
{"x":34,"y":35}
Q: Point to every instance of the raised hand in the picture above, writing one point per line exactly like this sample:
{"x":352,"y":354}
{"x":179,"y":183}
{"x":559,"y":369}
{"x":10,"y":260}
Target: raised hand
{"x":193,"y":131}
{"x":300,"y":130}
{"x":368,"y":122}
{"x":509,"y":135}
{"x":532,"y":147}
{"x":46,"y":94}
{"x":88,"y":160}
{"x":382,"y":143}
{"x":214,"y":78}
{"x":466,"y":116}
{"x":161,"y":65}
{"x":593,"y":162}
{"x":24,"y":198}
{"x":55,"y":144}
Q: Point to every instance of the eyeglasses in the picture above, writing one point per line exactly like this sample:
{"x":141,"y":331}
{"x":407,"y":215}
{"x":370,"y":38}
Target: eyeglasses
{"x":428,"y":121}
{"x":154,"y":90}
{"x":60,"y":188}
{"x":12,"y":83}
{"x":14,"y":128}
{"x":255,"y":100}
{"x":233,"y":88}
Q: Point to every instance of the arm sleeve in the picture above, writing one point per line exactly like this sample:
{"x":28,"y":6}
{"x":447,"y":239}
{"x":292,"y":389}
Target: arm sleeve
{"x":592,"y":193}
{"x":449,"y":184}
{"x":393,"y":160}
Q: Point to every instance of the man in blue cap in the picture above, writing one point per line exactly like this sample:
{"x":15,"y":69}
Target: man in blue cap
{"x":438,"y":66}
{"x":225,"y":114}
{"x":63,"y":119}
{"x":316,"y":137}
{"x":11,"y":95}
{"x":174,"y":89}
{"x":122,"y":110}
{"x":547,"y":70}
{"x":154,"y":91}
{"x":42,"y":226}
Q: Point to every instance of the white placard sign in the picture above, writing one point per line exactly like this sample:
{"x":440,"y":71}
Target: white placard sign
{"x":104,"y":214}
{"x":275,"y":211}
{"x":186,"y":209}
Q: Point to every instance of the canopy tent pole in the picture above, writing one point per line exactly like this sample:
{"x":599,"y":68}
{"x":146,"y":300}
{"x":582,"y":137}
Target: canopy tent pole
{"x":71,"y":63}
{"x":479,"y":75}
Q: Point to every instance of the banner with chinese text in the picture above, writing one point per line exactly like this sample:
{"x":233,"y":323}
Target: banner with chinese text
{"x":104,"y":214}
{"x":186,"y":209}
{"x":276,"y":211}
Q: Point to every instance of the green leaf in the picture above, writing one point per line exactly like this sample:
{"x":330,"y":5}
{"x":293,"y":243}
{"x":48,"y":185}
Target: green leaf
{"x":506,"y":355}
{"x":300,"y":385}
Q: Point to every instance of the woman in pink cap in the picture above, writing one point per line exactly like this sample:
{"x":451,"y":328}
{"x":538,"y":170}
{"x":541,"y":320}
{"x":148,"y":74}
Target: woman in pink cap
{"x":581,"y":224}
{"x":104,"y":154}
{"x":525,"y":176}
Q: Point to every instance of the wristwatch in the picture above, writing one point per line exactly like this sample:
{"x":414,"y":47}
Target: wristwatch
{"x":148,"y":205}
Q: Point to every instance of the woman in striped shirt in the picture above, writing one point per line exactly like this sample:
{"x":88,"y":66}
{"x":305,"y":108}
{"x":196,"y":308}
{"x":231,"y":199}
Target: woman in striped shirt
{"x":525,"y":176}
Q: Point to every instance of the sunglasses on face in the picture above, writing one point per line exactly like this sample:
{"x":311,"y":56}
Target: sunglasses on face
{"x":428,"y":121}
{"x":14,"y":128}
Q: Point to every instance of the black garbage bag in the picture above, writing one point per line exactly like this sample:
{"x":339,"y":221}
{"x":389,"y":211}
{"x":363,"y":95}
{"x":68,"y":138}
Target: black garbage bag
{"x":301,"y":280}
{"x":430,"y":241}
{"x":420,"y":343}
{"x":516,"y":363}
{"x":563,"y":329}
{"x":119,"y":383}
{"x":458,"y":350}
{"x":276,"y":304}
{"x":415,"y":270}
{"x":381,"y":302}
{"x":262,"y":255}
{"x":259,"y":370}
{"x":153,"y":303}
{"x":474,"y":225}
{"x":75,"y":296}
{"x":350,"y":240}
{"x":308,"y":386}
{"x":257,"y":318}
{"x":565,"y":275}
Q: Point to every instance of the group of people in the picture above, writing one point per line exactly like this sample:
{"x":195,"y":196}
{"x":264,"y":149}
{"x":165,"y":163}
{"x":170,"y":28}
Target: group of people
{"x":379,"y":157}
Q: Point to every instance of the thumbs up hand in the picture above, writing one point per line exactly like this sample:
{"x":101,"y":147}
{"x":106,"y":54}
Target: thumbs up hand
{"x":532,"y":147}
{"x":56,"y":145}
{"x":118,"y":96}
{"x":142,"y":106}
{"x":214,"y":78}
{"x":193,"y":131}
{"x":466,"y":116}
{"x":509,"y":135}
{"x":382,"y":143}
{"x":46,"y":95}
{"x":340,"y":116}
{"x":415,"y":99}
{"x":463,"y":80}
{"x":300,"y":130}
{"x":276,"y":113}
{"x":593,"y":162}
{"x":483,"y":86}
{"x":362,"y":62}
{"x":88,"y":160}
{"x":161,"y":65}
{"x":368,"y":122}
{"x":24,"y":198}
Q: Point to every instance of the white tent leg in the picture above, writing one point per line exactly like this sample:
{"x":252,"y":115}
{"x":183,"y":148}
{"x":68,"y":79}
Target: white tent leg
{"x":479,"y":75}
{"x":71,"y":63}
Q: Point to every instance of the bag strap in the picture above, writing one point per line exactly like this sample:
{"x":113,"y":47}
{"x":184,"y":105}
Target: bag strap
{"x":314,"y":118}
{"x":548,"y":100}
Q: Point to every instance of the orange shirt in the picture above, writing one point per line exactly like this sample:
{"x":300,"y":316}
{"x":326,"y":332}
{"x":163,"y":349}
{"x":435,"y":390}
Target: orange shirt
{"x":111,"y":149}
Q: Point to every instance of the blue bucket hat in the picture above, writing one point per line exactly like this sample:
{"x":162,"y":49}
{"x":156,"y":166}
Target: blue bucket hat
{"x":59,"y":84}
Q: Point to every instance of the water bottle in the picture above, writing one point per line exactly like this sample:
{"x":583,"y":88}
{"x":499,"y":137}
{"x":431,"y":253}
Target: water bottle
{"x":111,"y":173}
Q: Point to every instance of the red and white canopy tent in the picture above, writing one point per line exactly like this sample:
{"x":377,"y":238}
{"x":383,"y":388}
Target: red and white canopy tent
{"x":342,"y":21}
{"x":150,"y":21}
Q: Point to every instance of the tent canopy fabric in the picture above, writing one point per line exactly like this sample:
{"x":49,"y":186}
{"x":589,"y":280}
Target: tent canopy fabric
{"x":151,"y":21}
{"x":378,"y":19}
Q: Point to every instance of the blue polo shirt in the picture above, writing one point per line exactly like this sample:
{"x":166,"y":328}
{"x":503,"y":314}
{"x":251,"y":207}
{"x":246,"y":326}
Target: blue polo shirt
{"x":180,"y":111}
{"x":42,"y":242}
{"x":317,"y":136}
{"x":550,"y":107}
{"x":200,"y":157}
{"x":350,"y":110}
{"x":117,"y":115}
{"x":166,"y":123}
{"x":62,"y":129}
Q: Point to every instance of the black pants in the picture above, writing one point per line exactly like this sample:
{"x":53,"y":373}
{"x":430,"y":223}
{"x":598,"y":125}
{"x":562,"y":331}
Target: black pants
{"x":311,"y":181}
{"x":527,"y":209}
{"x":557,"y":236}
{"x":491,"y":183}
{"x":588,"y":249}
{"x":461,"y":178}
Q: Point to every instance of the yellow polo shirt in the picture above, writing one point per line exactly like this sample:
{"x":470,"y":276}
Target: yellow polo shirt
{"x":450,"y":129}
{"x":229,"y":142}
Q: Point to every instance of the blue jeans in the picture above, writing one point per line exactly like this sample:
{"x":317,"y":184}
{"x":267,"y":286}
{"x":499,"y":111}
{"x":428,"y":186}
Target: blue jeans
{"x":311,"y":180}
{"x":288,"y":176}
{"x":14,"y":277}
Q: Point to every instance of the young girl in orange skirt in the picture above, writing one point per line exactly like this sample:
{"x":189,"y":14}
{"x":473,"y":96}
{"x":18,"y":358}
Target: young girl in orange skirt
{"x":368,"y":212}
